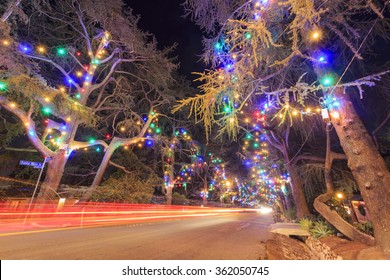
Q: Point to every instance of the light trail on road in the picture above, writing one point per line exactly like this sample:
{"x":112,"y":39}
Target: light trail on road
{"x":51,"y":216}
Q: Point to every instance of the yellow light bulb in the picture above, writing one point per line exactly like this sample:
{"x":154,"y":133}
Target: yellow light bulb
{"x":79,"y":73}
{"x":41,"y":49}
{"x":47,"y":99}
{"x":315,"y":35}
{"x":335,"y":114}
{"x":5,"y":42}
{"x":12,"y":105}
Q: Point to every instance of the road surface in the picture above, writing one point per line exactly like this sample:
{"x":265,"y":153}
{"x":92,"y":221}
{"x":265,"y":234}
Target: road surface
{"x":237,"y":236}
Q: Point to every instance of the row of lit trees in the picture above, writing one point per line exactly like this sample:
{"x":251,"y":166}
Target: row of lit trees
{"x":296,"y":56}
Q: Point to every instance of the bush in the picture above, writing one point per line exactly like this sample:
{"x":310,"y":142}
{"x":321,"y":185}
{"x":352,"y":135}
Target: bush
{"x":291,"y":214}
{"x":316,"y":229}
{"x":366,"y":227}
{"x":321,"y":229}
{"x":179,"y":199}
{"x":306,"y":224}
{"x":127,"y":189}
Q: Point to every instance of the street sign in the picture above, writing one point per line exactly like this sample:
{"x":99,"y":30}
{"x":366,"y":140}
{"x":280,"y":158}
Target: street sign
{"x":31,"y":163}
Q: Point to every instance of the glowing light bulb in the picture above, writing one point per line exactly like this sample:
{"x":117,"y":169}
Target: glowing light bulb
{"x":41,"y":49}
{"x":3,"y":86}
{"x":5,"y":43}
{"x":24,"y":48}
{"x":12,"y":105}
{"x":47,"y":99}
{"x":327,"y":81}
{"x":46,"y":110}
{"x":61,"y":51}
{"x":79,"y":73}
{"x":335,"y":114}
{"x":315,"y":35}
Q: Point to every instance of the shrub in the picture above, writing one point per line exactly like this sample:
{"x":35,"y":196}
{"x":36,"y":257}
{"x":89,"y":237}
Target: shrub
{"x":321,"y":229}
{"x":366,"y":227}
{"x":291,"y":214}
{"x":306,"y":224}
{"x":179,"y":199}
{"x":128,"y":189}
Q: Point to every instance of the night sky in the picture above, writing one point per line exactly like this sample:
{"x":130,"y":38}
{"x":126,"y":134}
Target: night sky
{"x":165,"y":20}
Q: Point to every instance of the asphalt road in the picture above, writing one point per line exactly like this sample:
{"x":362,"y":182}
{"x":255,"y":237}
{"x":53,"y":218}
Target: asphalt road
{"x":238,"y":236}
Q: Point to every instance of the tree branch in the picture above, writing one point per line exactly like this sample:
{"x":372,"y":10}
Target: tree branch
{"x":108,"y":76}
{"x":80,"y":144}
{"x":120,"y":167}
{"x":29,"y":125}
{"x":62,"y":70}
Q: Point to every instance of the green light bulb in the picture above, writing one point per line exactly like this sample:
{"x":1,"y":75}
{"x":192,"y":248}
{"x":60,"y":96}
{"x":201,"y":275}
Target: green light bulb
{"x":3,"y":86}
{"x":327,"y":81}
{"x":46,"y":110}
{"x":61,"y":51}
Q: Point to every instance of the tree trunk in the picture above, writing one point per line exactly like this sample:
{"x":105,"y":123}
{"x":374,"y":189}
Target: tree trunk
{"x":367,"y":166}
{"x":339,"y":223}
{"x":55,"y":170}
{"x":302,"y":210}
{"x":205,"y":188}
{"x":168,"y":195}
{"x":169,"y":187}
{"x":99,"y":174}
{"x":332,"y":216}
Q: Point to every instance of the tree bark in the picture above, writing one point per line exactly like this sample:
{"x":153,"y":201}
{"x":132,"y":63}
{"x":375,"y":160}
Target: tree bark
{"x":205,"y":189}
{"x":55,"y":170}
{"x":99,"y":174}
{"x":302,"y":210}
{"x":169,"y":187}
{"x":367,"y":166}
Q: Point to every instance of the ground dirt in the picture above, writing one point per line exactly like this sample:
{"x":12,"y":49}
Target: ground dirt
{"x":281,"y":247}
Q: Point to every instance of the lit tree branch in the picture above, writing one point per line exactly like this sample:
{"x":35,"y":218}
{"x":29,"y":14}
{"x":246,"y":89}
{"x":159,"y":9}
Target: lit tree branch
{"x":62,"y":70}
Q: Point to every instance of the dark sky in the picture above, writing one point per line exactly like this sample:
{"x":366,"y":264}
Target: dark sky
{"x":165,"y":20}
